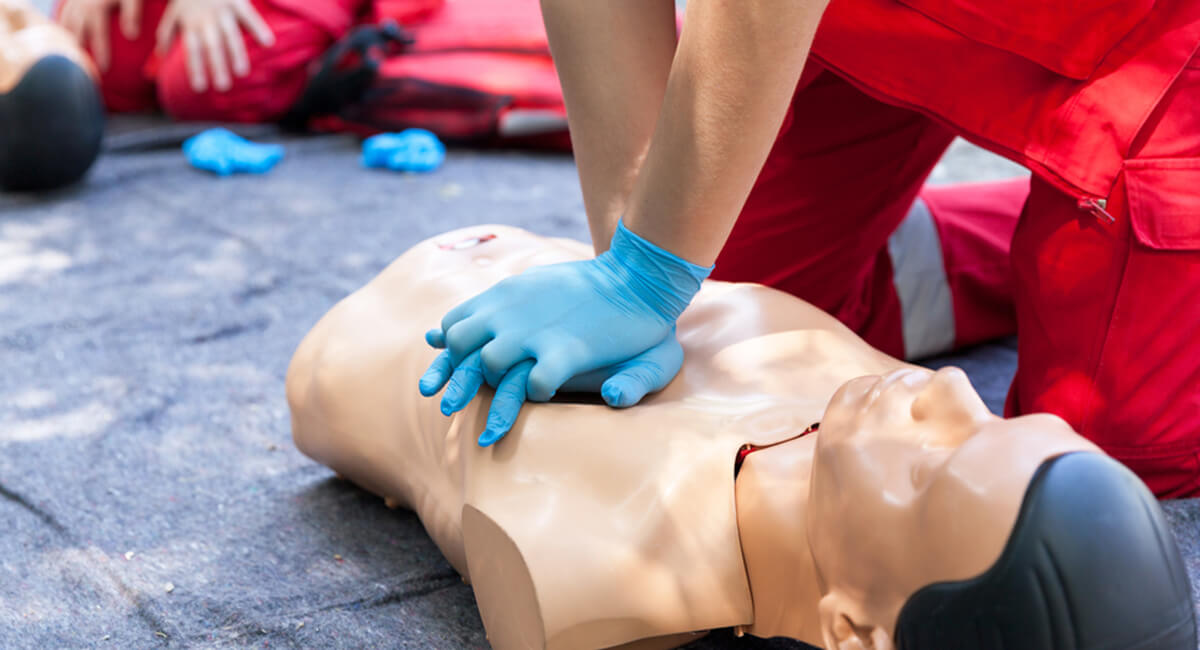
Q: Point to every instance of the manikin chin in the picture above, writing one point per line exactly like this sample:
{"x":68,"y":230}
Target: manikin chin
{"x":911,"y":517}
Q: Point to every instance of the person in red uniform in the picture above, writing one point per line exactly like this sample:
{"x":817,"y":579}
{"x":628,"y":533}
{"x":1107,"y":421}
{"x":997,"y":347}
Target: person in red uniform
{"x":228,"y":60}
{"x":795,"y":156}
{"x":1102,"y":284}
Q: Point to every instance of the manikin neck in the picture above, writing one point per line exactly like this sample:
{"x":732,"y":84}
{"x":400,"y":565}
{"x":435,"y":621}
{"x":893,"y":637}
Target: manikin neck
{"x":772,"y":502}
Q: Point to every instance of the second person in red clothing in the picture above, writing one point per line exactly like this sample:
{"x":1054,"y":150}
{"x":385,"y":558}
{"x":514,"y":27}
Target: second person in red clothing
{"x":227,"y":60}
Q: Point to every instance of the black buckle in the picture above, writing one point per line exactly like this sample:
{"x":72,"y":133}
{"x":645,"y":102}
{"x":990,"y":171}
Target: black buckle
{"x":338,"y":80}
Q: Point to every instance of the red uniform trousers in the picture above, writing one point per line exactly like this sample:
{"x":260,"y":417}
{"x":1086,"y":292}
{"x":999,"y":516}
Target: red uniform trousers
{"x":1107,"y":313}
{"x":138,"y":80}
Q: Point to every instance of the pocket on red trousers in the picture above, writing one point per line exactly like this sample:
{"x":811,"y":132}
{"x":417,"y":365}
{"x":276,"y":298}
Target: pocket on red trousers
{"x":1149,"y":371}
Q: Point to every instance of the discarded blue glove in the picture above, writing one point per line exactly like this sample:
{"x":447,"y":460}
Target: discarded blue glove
{"x":223,"y":152}
{"x":532,"y":333}
{"x":411,"y":150}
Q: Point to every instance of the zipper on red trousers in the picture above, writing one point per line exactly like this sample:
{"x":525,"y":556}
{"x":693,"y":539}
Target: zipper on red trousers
{"x":1097,"y":206}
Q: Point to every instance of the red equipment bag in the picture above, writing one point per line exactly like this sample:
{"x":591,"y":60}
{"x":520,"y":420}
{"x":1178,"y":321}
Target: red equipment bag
{"x":474,"y":71}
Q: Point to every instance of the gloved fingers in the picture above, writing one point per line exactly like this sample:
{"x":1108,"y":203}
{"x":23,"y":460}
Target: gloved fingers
{"x":502,"y":353}
{"x":467,"y":336}
{"x":131,"y":18}
{"x":97,"y":29}
{"x":214,"y":50}
{"x":436,"y":375}
{"x":463,"y":385}
{"x":461,"y":312}
{"x":646,"y":373}
{"x":436,"y":338}
{"x":195,"y":61}
{"x":235,"y":45}
{"x":555,"y":365}
{"x":254,"y":23}
{"x":506,"y":404}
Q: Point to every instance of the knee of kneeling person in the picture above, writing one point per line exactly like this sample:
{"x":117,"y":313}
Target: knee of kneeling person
{"x":263,"y":95}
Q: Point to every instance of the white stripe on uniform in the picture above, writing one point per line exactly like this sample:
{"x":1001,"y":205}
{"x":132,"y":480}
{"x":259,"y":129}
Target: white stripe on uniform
{"x":919,"y":273}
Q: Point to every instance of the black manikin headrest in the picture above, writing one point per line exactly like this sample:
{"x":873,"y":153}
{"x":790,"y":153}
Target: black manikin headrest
{"x":1090,"y":564}
{"x":51,"y":124}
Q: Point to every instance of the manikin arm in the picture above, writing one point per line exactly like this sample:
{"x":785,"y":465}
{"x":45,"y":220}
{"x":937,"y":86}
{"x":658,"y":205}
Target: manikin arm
{"x":729,"y":85}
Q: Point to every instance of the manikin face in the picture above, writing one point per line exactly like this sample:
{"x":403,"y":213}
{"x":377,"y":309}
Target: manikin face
{"x":26,"y":36}
{"x":914,"y":482}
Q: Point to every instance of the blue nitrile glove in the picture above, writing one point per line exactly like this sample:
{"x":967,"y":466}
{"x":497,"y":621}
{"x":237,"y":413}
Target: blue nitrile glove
{"x":223,"y":152}
{"x":532,"y":333}
{"x":621,"y":385}
{"x":411,"y":150}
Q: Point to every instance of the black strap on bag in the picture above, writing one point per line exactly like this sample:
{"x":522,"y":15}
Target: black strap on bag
{"x":346,"y":71}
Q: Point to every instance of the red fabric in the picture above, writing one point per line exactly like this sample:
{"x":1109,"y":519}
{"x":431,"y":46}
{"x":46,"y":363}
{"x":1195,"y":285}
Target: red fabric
{"x":975,"y":224}
{"x":1106,"y":313}
{"x":1069,"y":37}
{"x":458,"y":95}
{"x":1075,"y":134}
{"x":335,"y":17}
{"x":278,"y":73}
{"x":474,"y":68}
{"x":137,"y":80}
{"x":405,"y":12}
{"x":841,"y":177}
{"x":126,"y":85}
{"x":513,"y":26}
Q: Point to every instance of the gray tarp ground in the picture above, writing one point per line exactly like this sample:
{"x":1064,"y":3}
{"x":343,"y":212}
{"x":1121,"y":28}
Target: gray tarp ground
{"x":149,"y":491}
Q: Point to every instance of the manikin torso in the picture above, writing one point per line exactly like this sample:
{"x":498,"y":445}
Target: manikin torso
{"x":27,"y":37}
{"x":592,"y":527}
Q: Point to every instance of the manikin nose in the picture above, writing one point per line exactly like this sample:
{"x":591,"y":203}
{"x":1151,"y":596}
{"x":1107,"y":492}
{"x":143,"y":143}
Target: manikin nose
{"x":949,"y":394}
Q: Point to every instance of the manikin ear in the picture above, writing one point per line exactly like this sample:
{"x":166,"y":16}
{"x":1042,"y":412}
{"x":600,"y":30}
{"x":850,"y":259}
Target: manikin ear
{"x":844,"y":628}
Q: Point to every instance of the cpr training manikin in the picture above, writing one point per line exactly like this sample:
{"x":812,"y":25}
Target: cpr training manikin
{"x":791,"y":481}
{"x":51,"y":118}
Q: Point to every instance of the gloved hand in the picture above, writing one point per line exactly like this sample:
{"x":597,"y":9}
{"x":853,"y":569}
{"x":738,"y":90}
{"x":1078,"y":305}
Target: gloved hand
{"x":223,"y":153}
{"x":620,"y":385}
{"x":532,"y":333}
{"x":411,"y":150}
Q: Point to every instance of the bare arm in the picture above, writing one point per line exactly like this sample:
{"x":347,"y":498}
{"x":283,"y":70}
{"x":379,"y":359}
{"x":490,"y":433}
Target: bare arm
{"x":731,"y":83}
{"x":728,"y":88}
{"x":613,"y":57}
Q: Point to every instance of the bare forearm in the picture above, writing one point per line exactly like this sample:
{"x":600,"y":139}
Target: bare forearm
{"x":730,"y":85}
{"x":613,"y":58}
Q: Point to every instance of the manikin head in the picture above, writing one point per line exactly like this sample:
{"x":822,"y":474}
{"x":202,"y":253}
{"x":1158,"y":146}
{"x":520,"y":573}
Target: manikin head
{"x":51,"y":115}
{"x":935,"y":524}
